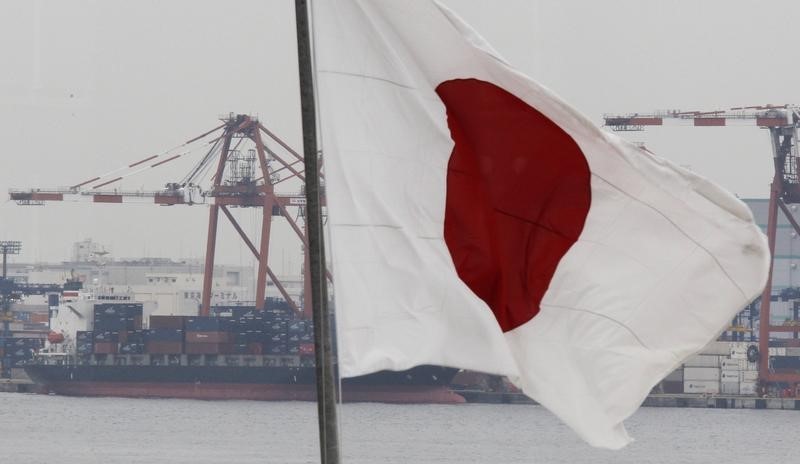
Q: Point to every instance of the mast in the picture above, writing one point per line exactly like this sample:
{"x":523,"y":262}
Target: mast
{"x":326,"y":375}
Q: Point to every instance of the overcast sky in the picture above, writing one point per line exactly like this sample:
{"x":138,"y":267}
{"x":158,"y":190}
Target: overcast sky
{"x":89,"y":86}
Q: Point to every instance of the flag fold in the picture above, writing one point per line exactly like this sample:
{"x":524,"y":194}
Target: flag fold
{"x":478,"y":221}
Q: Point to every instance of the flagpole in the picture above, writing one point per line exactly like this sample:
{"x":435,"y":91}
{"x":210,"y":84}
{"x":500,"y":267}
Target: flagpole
{"x":326,"y":375}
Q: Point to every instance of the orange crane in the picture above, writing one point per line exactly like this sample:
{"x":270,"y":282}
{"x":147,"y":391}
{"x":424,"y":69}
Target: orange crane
{"x":782,"y":122}
{"x":243,"y":177}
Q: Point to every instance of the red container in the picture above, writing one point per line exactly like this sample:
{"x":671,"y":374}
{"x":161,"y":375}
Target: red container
{"x":105,"y":347}
{"x":167,"y":322}
{"x":255,"y":348}
{"x":208,"y":337}
{"x":306,"y":348}
{"x":159,"y":347}
{"x":209,"y":348}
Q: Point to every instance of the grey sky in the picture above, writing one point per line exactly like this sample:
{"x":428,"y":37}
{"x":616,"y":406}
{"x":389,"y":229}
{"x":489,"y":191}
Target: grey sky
{"x":88,"y":86}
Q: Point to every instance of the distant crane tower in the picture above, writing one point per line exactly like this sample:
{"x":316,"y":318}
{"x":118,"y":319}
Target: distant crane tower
{"x":243,"y":176}
{"x":782,"y":122}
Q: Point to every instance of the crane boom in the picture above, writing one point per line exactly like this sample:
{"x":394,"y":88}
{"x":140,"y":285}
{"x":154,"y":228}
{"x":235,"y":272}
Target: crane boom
{"x":243,"y":178}
{"x":765,"y":116}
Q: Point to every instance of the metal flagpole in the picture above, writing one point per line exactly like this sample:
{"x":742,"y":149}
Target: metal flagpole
{"x":326,"y":375}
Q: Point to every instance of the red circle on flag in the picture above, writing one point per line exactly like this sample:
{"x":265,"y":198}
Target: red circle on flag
{"x":518,"y":192}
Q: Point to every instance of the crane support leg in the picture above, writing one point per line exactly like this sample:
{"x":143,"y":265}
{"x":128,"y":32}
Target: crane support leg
{"x":766,"y":295}
{"x":263,"y":253}
{"x":208,"y":269}
{"x":272,"y":276}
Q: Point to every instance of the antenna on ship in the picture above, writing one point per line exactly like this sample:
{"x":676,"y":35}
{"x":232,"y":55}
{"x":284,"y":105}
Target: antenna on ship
{"x":326,"y":375}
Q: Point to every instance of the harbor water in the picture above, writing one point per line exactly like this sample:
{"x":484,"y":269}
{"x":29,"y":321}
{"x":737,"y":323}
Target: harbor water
{"x":42,"y":429}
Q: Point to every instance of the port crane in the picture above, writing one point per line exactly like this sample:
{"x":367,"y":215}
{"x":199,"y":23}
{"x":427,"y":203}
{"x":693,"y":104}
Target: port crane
{"x":782,"y":123}
{"x":11,"y":291}
{"x":242,"y":177}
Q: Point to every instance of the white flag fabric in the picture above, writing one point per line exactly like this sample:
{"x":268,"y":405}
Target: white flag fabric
{"x":477,"y":221}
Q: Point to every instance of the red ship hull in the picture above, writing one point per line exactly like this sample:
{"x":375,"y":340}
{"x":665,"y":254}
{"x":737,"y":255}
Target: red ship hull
{"x":258,"y":392}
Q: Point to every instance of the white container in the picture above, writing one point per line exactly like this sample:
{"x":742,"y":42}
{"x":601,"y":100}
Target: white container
{"x":702,"y":360}
{"x":717,"y":348}
{"x":749,"y":376}
{"x":730,"y":364}
{"x":729,"y":388}
{"x":729,"y":376}
{"x":701,"y":373}
{"x":792,"y":351}
{"x":738,"y":354}
{"x":747,"y":388}
{"x":700,"y":386}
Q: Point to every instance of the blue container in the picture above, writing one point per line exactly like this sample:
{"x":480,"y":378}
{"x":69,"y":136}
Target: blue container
{"x":84,"y":347}
{"x":278,"y":337}
{"x":108,"y":336}
{"x":208,"y":324}
{"x":297,"y":327}
{"x":276,"y":348}
{"x":131,"y":348}
{"x":277,"y":326}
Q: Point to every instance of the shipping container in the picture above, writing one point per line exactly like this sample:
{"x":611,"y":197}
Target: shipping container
{"x":207,"y":324}
{"x":786,"y":362}
{"x":730,"y":364}
{"x":730,"y":376}
{"x":701,"y":373}
{"x":276,"y":348}
{"x":167,"y":322}
{"x":131,"y":348}
{"x":749,"y":376}
{"x":748,"y":388}
{"x":278,"y":337}
{"x":700,"y":386}
{"x":255,"y":348}
{"x":702,"y":361}
{"x":163,"y":335}
{"x":306,"y":348}
{"x":106,"y":337}
{"x":208,"y":337}
{"x":163,"y":347}
{"x":105,"y":347}
{"x":792,"y":351}
{"x":208,"y":348}
{"x":729,"y":388}
{"x":717,"y":348}
{"x":777,"y":351}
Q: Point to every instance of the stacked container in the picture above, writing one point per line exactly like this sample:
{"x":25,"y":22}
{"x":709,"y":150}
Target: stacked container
{"x":16,"y":351}
{"x":84,"y":342}
{"x":114,"y":325}
{"x":730,"y":376}
{"x":165,"y":335}
{"x":701,"y":374}
{"x":209,"y":335}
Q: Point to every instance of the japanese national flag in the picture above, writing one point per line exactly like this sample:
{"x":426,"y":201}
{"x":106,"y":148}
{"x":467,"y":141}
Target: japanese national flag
{"x":478,"y":221}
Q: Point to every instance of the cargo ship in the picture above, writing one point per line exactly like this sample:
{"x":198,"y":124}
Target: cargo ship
{"x":236,"y":353}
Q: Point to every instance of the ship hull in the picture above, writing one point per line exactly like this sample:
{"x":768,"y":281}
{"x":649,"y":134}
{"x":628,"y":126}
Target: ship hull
{"x":424,"y":384}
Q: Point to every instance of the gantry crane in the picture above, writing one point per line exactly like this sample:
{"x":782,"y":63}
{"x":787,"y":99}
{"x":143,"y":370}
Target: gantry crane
{"x":11,"y":291}
{"x":782,"y":122}
{"x":243,"y":177}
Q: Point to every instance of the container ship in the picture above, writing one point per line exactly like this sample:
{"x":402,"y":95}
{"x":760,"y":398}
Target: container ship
{"x":236,"y":353}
